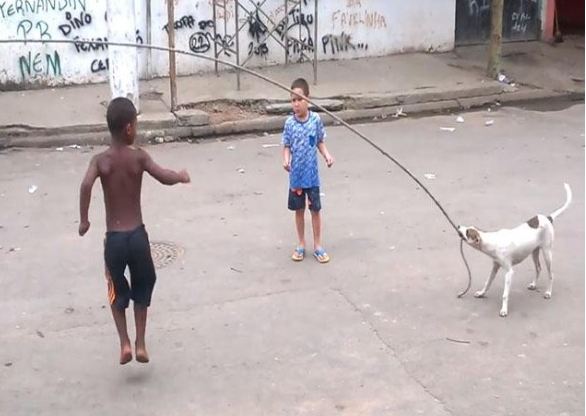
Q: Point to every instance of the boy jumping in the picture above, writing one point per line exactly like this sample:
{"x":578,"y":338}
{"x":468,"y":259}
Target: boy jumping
{"x":120,"y":170}
{"x":304,"y":133}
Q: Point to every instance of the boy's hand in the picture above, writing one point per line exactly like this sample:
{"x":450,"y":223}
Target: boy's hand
{"x":329,"y":160}
{"x":83,"y":227}
{"x":287,"y":165}
{"x":184,"y":176}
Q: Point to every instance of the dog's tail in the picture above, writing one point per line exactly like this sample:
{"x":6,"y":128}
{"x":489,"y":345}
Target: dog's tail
{"x":557,"y":212}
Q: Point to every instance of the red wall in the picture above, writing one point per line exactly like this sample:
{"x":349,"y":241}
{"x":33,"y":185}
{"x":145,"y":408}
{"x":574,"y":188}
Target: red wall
{"x":571,"y":14}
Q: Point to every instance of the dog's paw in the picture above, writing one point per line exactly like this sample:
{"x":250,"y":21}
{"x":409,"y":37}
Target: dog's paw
{"x":547,"y":295}
{"x":532,"y":286}
{"x":479,"y":294}
{"x":504,"y":313}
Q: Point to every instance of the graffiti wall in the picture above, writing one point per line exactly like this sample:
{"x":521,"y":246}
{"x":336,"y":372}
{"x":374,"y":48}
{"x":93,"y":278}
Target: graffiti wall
{"x":268,"y":35}
{"x":83,"y":21}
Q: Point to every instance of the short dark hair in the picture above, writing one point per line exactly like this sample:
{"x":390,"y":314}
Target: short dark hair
{"x":301,"y":84}
{"x":121,"y":112}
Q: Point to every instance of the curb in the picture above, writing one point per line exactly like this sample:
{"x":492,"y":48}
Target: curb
{"x":267,"y":124}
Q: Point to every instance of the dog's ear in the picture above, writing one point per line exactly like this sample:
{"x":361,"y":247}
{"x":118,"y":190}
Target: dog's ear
{"x":473,"y":236}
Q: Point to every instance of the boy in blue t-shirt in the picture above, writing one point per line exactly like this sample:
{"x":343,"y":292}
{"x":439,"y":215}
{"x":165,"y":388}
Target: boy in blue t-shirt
{"x":303,"y":134}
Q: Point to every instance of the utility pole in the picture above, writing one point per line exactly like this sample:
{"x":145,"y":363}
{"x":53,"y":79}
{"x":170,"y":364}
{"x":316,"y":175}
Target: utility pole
{"x":123,"y":61}
{"x":496,"y":39}
{"x":172,"y":67}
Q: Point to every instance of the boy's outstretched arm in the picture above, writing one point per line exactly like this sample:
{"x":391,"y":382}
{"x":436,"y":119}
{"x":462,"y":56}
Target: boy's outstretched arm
{"x":324,"y":152}
{"x":164,"y":176}
{"x":85,"y":195}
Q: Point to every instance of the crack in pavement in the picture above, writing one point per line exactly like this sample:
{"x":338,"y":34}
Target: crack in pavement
{"x":391,"y":349}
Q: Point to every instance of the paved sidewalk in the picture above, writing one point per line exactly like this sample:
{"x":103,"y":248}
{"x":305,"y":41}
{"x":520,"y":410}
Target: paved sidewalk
{"x":538,"y":69}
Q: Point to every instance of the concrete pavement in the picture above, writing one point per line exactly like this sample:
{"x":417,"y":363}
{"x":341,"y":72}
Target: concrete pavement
{"x":366,"y":88}
{"x":237,"y":328}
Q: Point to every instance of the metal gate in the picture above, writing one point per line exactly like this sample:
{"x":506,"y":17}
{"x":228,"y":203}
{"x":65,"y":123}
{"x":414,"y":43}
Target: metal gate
{"x":521,"y":20}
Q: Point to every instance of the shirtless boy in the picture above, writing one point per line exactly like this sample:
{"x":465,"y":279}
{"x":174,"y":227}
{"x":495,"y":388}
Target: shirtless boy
{"x":120,"y":170}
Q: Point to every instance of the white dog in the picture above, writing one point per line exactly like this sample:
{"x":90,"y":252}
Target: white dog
{"x":508,"y":247}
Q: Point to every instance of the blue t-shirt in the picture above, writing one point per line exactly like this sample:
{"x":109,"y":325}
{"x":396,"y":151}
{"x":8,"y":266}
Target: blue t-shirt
{"x":302,"y":137}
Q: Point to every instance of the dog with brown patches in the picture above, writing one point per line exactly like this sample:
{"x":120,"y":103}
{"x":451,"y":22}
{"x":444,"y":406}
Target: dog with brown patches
{"x":508,"y":247}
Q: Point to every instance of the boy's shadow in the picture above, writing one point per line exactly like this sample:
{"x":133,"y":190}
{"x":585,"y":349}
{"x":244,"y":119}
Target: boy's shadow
{"x":139,"y":375}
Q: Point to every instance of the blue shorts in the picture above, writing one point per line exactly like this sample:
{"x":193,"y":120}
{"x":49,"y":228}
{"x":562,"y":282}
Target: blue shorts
{"x":297,"y":199}
{"x":132,"y":249}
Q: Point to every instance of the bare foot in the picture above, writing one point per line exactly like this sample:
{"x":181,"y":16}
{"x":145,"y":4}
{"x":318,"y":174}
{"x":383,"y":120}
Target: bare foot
{"x":125,"y":354}
{"x":142,"y":355}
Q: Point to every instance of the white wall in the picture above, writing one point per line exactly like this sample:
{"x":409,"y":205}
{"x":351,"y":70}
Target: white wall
{"x":346,"y":29}
{"x":58,"y":64}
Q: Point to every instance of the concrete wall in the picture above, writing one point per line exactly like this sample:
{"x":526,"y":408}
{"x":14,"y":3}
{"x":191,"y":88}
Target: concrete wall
{"x":346,"y":29}
{"x":57,"y":64}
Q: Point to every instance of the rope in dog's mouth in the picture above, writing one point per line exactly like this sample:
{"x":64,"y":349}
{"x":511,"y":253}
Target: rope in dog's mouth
{"x":467,"y":268}
{"x":279,"y":85}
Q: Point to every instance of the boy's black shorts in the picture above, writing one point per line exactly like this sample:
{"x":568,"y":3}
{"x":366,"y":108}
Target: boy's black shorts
{"x":297,"y":199}
{"x":132,"y":249}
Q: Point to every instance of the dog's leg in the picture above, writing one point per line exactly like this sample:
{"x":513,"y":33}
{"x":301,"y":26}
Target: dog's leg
{"x":547,"y":254}
{"x":508,"y":280}
{"x":495,"y":269}
{"x":533,"y":284}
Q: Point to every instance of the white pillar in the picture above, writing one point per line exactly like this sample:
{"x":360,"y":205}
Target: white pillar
{"x":123,"y":60}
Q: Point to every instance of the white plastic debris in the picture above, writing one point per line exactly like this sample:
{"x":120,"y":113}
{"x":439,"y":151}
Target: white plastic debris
{"x":399,"y":113}
{"x":32,"y":189}
{"x":489,"y":123}
{"x":266,"y":146}
{"x":74,"y":146}
{"x":450,"y":129}
{"x":459,"y":119}
{"x":504,"y":79}
{"x":241,"y":170}
{"x":59,"y":149}
{"x":392,"y":248}
{"x":230,"y":148}
{"x":430,"y":176}
{"x":159,"y":140}
{"x":322,"y":194}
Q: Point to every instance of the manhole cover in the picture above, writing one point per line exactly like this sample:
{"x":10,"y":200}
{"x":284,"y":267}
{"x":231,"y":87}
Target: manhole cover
{"x":164,"y":253}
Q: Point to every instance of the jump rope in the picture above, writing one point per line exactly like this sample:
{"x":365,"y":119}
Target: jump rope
{"x":283,"y":87}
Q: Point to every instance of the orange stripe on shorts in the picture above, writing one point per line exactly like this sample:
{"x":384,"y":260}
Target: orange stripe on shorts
{"x":111,"y":292}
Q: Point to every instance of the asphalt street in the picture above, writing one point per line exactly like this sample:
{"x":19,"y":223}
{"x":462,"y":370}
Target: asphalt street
{"x":237,"y":328}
